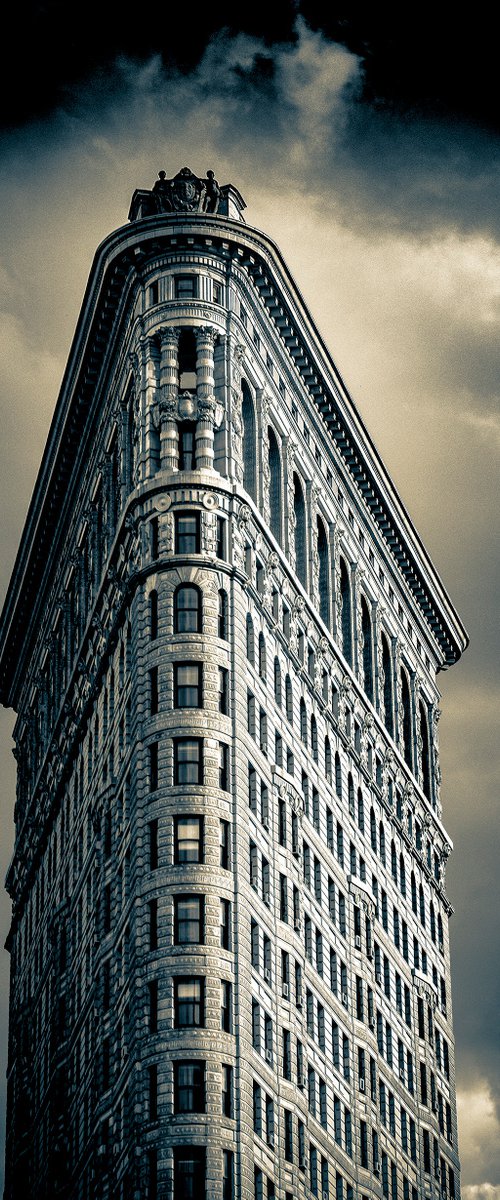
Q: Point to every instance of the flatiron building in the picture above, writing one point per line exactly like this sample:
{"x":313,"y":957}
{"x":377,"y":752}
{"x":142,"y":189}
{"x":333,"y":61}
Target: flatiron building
{"x":230,"y":972}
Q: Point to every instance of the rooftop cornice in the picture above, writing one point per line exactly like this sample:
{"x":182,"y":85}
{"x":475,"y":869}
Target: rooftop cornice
{"x":117,"y":263}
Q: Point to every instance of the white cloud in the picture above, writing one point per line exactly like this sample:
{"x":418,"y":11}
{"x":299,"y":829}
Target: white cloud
{"x":479,"y":1143}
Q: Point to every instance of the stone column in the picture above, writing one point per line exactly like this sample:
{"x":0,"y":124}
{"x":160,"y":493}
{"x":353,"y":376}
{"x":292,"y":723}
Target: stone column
{"x":169,"y":389}
{"x":204,"y":437}
{"x":290,"y":507}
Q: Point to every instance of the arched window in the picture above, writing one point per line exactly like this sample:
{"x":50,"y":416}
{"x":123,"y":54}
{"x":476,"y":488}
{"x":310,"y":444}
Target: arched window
{"x":223,"y":615}
{"x":338,"y":775}
{"x":350,"y":794}
{"x":394,"y":864}
{"x":425,"y":759}
{"x":289,"y":699}
{"x":249,"y":442}
{"x":406,"y":706}
{"x":388,"y":692}
{"x":314,"y":738}
{"x":432,"y":915}
{"x":262,"y":657}
{"x":346,"y":620}
{"x":421,"y":905}
{"x":275,"y":485}
{"x":303,"y":722}
{"x":381,"y":842}
{"x":373,"y":830}
{"x":361,"y":811}
{"x":366,"y":625}
{"x":277,"y":682}
{"x":187,"y":609}
{"x":299,"y":509}
{"x":153,"y":615}
{"x":402,"y":875}
{"x":328,"y":760}
{"x":413,"y":893}
{"x":324,"y":574}
{"x":250,"y":641}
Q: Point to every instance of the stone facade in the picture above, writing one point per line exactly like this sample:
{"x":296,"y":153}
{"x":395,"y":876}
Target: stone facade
{"x":230,"y":957}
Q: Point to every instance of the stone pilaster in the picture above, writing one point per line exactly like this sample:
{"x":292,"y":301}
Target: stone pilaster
{"x":169,"y":390}
{"x":205,"y":341}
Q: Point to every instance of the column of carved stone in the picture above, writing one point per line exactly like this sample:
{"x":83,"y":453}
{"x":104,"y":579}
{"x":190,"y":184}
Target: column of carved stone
{"x":418,"y":744}
{"x":337,"y":588}
{"x":434,"y":752}
{"x":313,"y":545}
{"x":169,"y":392}
{"x":398,"y":696}
{"x":357,"y":657}
{"x":378,"y":670}
{"x":204,"y":437}
{"x":263,"y":438}
{"x":235,"y":355}
{"x":290,"y":507}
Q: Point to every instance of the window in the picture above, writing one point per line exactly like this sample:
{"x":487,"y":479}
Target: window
{"x":153,"y":691}
{"x":223,"y":690}
{"x":188,"y":760}
{"x":189,"y":1007}
{"x":223,"y":615}
{"x":221,"y":538}
{"x":225,"y":924}
{"x":185,"y":287}
{"x":227,"y":1175}
{"x":224,"y":766}
{"x":188,"y":691}
{"x":153,"y":615}
{"x":226,"y":1015}
{"x":188,"y":919}
{"x":189,"y":1086}
{"x":189,"y":1172}
{"x":225,"y":845}
{"x":187,"y":533}
{"x":227,"y":1091}
{"x":188,"y":840}
{"x":187,"y":609}
{"x":187,"y":456}
{"x":153,"y":924}
{"x":153,"y":1006}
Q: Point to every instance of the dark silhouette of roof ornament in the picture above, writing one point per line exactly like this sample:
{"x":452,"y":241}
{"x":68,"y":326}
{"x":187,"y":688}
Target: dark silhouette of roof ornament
{"x":187,"y":193}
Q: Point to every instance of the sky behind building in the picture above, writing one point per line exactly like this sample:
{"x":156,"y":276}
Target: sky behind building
{"x":374,"y":162}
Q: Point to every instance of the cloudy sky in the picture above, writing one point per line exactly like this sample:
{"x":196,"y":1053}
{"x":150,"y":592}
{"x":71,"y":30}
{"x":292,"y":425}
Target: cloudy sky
{"x":370,"y":151}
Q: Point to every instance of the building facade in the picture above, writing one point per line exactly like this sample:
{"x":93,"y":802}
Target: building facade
{"x":230,"y":957}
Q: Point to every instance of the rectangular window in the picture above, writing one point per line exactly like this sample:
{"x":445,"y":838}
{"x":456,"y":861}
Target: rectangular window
{"x":227,"y":1091}
{"x":227,"y":1175}
{"x":221,"y":538}
{"x":225,"y":924}
{"x":189,"y":1172}
{"x":153,"y":1091}
{"x":153,"y":924}
{"x":153,"y":691}
{"x":153,"y":845}
{"x":188,"y":840}
{"x":185,"y":287}
{"x":153,"y":1005}
{"x":187,"y":446}
{"x":189,"y":1086}
{"x":188,"y":689}
{"x":187,"y":533}
{"x":188,"y":760}
{"x":188,"y":920}
{"x":224,"y":766}
{"x":226,"y":1015}
{"x":189,"y":1008}
{"x":225,"y":845}
{"x":223,"y":690}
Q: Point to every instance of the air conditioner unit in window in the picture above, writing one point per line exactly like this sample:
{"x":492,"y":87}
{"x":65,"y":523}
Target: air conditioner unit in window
{"x":371,"y":1023}
{"x":402,"y":1076}
{"x":376,"y":1167}
{"x":301,"y":1081}
{"x":378,"y":979}
{"x":361,"y":1084}
{"x":265,"y":823}
{"x":297,"y":925}
{"x":269,"y":1056}
{"x":344,"y":999}
{"x":302,"y":1162}
{"x":254,"y":879}
{"x":434,"y":1106}
{"x":285,"y":990}
{"x":357,"y":942}
{"x":267,"y":975}
{"x":270,"y":1140}
{"x":326,"y":1196}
